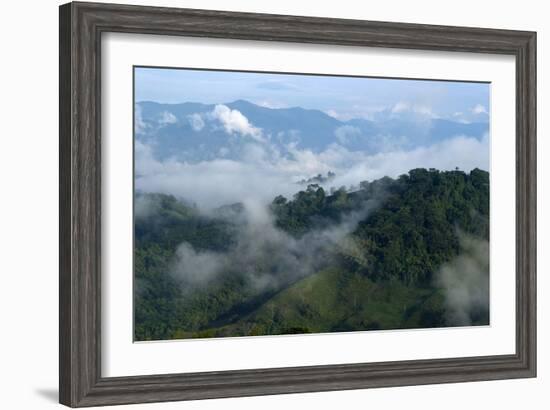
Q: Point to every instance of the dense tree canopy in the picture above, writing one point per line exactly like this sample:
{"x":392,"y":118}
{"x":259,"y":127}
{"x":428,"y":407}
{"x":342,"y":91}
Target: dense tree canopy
{"x":381,"y":274}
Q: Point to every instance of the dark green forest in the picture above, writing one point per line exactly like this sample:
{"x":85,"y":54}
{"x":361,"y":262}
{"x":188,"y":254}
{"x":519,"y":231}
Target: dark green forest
{"x":387,"y":255}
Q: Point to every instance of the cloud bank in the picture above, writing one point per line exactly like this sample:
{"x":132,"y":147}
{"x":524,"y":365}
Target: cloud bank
{"x":465,"y":281}
{"x":235,"y":123}
{"x":262,"y":172}
{"x":196,"y":121}
{"x":265,"y":256}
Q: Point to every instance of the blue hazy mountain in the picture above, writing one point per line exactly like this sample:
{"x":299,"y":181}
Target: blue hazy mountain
{"x":195,"y":131}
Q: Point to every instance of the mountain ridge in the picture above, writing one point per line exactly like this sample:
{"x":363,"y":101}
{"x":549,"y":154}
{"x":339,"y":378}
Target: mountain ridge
{"x":190,"y":131}
{"x":313,"y":270}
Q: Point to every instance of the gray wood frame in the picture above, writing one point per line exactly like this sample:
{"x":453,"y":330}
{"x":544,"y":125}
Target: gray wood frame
{"x":81,"y":27}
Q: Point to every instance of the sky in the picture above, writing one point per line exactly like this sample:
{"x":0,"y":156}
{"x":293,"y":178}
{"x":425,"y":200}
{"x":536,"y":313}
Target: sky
{"x":261,"y":167}
{"x":339,"y":96}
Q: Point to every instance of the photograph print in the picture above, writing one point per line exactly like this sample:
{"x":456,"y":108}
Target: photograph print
{"x":277,"y":204}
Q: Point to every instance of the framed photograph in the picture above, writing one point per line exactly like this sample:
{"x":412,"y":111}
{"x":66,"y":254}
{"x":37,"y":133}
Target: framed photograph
{"x":259,"y":204}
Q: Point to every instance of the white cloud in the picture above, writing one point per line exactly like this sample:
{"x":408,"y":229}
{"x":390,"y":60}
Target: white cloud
{"x":460,"y":117}
{"x":271,"y":104}
{"x":377,"y":112}
{"x":401,"y":106}
{"x":478,"y":113}
{"x":145,"y":163}
{"x":404,"y":107}
{"x":333,"y":114}
{"x":167,"y":118}
{"x":262,"y":172}
{"x":234,"y":122}
{"x":285,"y":258}
{"x":140,"y":126}
{"x":196,"y":268}
{"x":368,"y":112}
{"x":213,"y":183}
{"x":144,"y":207}
{"x":465,"y":281}
{"x":196,"y":121}
{"x":346,"y":133}
{"x":480,"y":109}
{"x":466,"y":153}
{"x":424,"y":110}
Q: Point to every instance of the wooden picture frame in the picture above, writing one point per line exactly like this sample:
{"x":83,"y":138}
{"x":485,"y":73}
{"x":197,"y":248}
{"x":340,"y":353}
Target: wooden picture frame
{"x":81,"y":27}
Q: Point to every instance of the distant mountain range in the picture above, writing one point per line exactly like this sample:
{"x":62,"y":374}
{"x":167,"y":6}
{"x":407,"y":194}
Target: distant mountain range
{"x":194,"y":131}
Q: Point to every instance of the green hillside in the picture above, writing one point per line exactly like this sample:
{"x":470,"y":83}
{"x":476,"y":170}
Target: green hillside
{"x":339,"y":261}
{"x":335,"y":301}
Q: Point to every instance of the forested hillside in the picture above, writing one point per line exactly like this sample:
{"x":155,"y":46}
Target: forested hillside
{"x":392,"y":253}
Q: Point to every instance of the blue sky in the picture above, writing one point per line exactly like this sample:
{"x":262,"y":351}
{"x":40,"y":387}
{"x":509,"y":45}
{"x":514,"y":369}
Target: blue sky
{"x":342,"y":97}
{"x":210,"y":153}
